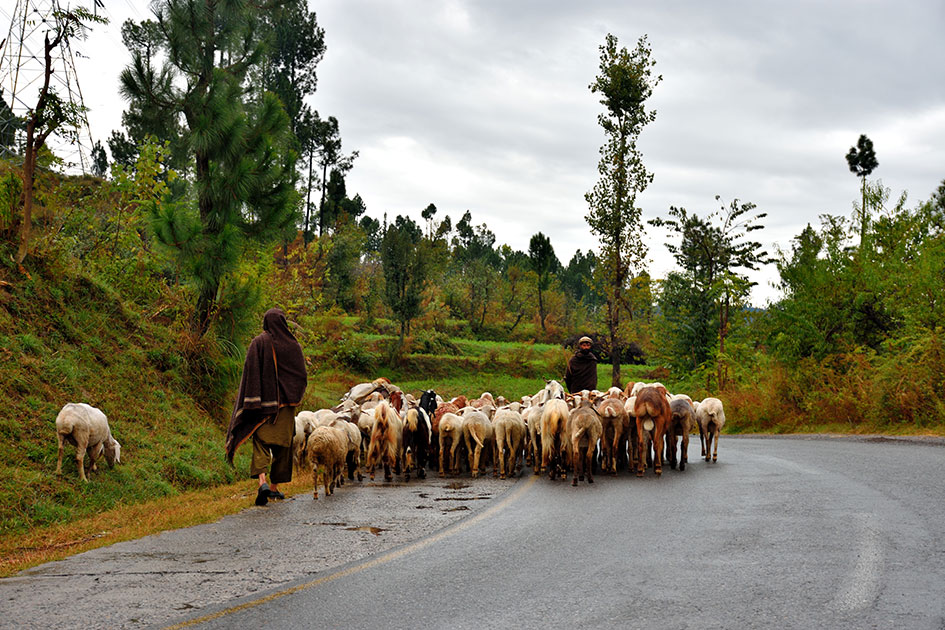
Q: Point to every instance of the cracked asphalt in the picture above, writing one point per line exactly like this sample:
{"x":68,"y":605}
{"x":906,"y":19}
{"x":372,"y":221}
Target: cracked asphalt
{"x":154,"y":580}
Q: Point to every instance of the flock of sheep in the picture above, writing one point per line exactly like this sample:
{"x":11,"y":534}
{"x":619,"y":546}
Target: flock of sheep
{"x":553,"y":432}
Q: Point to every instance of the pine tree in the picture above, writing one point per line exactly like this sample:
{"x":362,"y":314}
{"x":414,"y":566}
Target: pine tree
{"x":240,"y":141}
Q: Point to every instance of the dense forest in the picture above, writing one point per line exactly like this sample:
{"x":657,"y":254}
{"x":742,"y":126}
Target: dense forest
{"x":225,"y":193}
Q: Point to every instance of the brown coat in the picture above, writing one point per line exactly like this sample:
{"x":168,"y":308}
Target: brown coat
{"x":581,"y":372}
{"x":274,"y":376}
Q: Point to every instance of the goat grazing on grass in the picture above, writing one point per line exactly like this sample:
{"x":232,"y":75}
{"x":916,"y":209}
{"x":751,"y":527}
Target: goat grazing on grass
{"x":87,"y":428}
{"x":326,"y":448}
{"x":386,"y":441}
{"x":711,"y":419}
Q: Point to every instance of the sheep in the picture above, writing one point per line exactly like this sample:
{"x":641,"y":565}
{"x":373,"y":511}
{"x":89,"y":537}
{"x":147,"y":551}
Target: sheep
{"x":441,"y":408}
{"x":532,"y":417}
{"x":477,"y":433}
{"x":305,"y":423}
{"x":554,"y":436}
{"x":386,"y":441}
{"x":87,"y":429}
{"x":510,"y":433}
{"x":653,"y":416}
{"x":614,"y":423}
{"x":353,"y":456}
{"x":451,"y":435}
{"x":326,"y":448}
{"x":680,"y":424}
{"x":711,"y":418}
{"x":585,"y":429}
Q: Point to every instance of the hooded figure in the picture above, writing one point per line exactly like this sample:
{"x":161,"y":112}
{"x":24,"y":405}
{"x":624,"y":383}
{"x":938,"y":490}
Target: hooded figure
{"x":273,"y":382}
{"x":582,"y":368}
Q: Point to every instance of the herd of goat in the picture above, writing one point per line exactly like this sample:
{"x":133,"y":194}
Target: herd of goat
{"x":553,"y":432}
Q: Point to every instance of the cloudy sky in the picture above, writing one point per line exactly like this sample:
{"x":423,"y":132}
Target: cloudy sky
{"x":484,"y":106}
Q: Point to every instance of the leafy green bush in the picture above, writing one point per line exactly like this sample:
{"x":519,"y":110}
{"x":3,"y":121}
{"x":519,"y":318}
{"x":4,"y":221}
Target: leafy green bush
{"x":433,"y":342}
{"x":354,"y":355}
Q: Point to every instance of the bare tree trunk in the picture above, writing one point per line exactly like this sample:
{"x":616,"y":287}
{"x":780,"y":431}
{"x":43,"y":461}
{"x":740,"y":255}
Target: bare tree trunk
{"x":613,"y":322}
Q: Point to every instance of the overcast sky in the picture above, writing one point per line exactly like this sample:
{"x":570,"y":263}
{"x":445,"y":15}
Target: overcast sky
{"x":485,"y":106}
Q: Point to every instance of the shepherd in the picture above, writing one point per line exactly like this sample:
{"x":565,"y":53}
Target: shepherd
{"x":581,"y":372}
{"x":271,"y":388}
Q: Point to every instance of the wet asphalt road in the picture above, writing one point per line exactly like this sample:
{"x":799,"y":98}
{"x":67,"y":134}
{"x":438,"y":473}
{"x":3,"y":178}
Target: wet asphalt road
{"x":786,"y":533}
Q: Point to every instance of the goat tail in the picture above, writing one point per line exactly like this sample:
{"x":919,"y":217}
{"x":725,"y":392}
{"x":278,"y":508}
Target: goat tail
{"x":474,"y":432}
{"x":412,"y":420}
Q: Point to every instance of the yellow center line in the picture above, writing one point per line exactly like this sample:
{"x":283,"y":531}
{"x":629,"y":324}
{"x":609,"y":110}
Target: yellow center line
{"x":379,"y":560}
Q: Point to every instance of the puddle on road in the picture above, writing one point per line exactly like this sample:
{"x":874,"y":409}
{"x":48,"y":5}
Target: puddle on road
{"x":458,"y":508}
{"x":487,"y":496}
{"x":374,"y":530}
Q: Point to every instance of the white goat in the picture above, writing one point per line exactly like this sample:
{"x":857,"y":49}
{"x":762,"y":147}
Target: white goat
{"x":87,"y":428}
{"x":711,"y":418}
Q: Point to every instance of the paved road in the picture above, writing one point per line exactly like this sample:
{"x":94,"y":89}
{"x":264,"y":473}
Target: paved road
{"x":787,"y":533}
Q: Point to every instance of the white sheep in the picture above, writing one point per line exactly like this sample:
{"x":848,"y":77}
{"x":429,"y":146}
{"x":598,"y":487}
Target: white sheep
{"x":711,"y":418}
{"x":87,"y":428}
{"x":510,"y":432}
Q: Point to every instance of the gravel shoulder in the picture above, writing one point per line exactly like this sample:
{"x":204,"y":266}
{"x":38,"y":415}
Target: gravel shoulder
{"x":178,"y":573}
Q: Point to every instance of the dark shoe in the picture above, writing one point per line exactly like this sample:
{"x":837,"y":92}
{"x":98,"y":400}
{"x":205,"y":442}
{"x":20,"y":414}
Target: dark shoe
{"x":262,"y":497}
{"x":275,"y":494}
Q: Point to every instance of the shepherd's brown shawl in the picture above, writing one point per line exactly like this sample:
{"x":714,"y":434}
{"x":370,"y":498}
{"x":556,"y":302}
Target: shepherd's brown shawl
{"x":581,"y":372}
{"x":274,"y":376}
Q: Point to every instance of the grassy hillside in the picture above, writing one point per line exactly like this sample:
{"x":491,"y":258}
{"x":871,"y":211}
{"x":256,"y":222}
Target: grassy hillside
{"x":66,"y":339}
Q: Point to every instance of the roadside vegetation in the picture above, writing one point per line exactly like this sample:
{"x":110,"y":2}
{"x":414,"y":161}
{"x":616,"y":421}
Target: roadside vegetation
{"x":137,"y":289}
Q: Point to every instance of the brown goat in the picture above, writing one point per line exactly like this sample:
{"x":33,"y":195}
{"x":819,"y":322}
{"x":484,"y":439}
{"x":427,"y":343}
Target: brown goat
{"x":682,"y":418}
{"x":614,"y":423}
{"x":653,"y":417}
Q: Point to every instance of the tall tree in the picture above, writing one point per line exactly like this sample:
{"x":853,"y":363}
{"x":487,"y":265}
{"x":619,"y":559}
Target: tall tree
{"x":862,"y":161}
{"x":148,"y":117}
{"x":295,"y":47}
{"x":51,"y":114}
{"x":715,"y":254}
{"x":240,"y":141}
{"x":325,"y":148}
{"x":99,"y":160}
{"x":428,"y":213}
{"x":404,"y":270}
{"x":543,"y":261}
{"x":625,"y":82}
